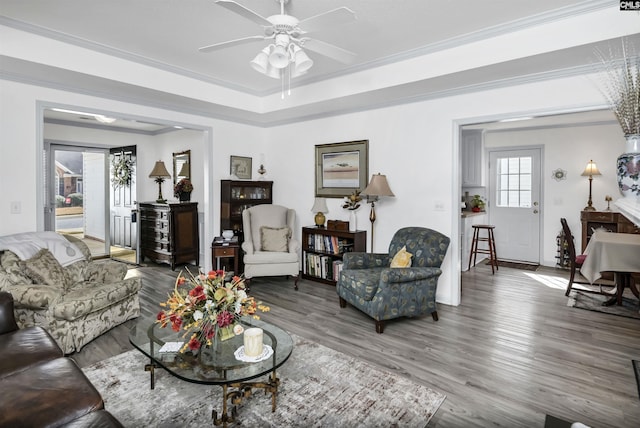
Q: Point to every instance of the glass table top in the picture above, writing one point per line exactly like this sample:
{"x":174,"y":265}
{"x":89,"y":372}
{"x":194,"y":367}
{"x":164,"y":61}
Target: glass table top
{"x":214,"y":366}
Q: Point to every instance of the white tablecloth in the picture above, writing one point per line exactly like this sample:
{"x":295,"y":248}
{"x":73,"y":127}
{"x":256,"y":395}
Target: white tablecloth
{"x":611,"y":252}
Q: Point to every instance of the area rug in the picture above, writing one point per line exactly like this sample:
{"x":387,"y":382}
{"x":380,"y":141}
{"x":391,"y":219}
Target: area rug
{"x":319,"y":387}
{"x":593,"y":302}
{"x":516,"y":265}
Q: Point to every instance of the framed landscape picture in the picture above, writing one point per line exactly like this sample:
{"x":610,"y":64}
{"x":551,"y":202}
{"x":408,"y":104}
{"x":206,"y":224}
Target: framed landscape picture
{"x":341,"y":168}
{"x":241,"y":167}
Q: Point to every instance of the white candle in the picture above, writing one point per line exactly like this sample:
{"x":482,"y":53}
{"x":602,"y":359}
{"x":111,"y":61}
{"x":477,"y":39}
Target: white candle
{"x":253,"y":342}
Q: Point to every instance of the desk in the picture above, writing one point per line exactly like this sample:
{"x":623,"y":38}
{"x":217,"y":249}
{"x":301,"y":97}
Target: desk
{"x":613,"y":252}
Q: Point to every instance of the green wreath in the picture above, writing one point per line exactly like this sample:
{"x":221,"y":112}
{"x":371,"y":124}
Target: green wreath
{"x":122,"y":170}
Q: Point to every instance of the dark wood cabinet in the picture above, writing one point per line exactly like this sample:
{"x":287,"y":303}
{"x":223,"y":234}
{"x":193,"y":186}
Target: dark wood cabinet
{"x":322,"y":251}
{"x":169,"y":232}
{"x":610,"y":220}
{"x":238,"y":195}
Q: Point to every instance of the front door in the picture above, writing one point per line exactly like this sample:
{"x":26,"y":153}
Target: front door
{"x":514,"y":200}
{"x":122,"y":216}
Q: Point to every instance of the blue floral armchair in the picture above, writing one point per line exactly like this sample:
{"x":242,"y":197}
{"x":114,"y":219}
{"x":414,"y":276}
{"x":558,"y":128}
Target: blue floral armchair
{"x":369,"y":283}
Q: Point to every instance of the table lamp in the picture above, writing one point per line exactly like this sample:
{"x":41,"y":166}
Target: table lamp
{"x":377,"y":187}
{"x":590,"y":170}
{"x":320,"y":207}
{"x":160,"y":173}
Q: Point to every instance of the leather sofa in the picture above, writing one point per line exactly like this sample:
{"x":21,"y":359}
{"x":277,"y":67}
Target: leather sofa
{"x":38,"y":385}
{"x":82,"y":301}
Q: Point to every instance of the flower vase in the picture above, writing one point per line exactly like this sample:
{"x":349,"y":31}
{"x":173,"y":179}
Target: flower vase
{"x":226,"y":333}
{"x":353,"y":222}
{"x":184,"y":196}
{"x":628,"y":168}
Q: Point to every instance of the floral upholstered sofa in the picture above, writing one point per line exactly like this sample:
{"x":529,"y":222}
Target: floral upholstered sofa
{"x":75,"y":300}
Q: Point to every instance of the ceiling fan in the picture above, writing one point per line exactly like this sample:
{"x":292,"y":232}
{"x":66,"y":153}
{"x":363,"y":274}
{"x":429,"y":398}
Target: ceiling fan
{"x":288,"y":35}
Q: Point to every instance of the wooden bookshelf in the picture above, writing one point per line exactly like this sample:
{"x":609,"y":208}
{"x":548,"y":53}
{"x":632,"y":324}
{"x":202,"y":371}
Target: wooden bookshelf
{"x":322,"y":251}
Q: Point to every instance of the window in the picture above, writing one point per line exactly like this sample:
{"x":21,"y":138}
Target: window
{"x":514,"y":177}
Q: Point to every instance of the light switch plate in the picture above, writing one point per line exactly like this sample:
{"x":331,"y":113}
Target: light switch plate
{"x":16,"y":207}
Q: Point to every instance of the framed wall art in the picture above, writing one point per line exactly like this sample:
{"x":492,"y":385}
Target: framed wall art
{"x":341,"y":168}
{"x":241,"y":167}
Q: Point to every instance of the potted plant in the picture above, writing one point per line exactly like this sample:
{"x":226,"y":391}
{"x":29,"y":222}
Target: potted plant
{"x":477,"y":204}
{"x":352,"y":203}
{"x":182,"y":190}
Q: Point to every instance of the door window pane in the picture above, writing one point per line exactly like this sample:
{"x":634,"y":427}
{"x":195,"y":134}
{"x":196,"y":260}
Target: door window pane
{"x":514,"y":182}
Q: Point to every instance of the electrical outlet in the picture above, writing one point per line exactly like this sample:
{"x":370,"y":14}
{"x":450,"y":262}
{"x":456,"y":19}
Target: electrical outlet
{"x":16,"y":207}
{"x":438,"y":206}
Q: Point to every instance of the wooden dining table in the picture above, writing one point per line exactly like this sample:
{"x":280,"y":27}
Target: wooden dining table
{"x":613,"y":252}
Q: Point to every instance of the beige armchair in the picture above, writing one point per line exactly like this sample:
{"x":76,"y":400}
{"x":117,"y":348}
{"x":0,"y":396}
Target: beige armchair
{"x":269,"y":246}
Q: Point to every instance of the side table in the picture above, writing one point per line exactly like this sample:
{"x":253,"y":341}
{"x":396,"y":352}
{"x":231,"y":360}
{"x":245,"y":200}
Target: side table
{"x":221,"y":249}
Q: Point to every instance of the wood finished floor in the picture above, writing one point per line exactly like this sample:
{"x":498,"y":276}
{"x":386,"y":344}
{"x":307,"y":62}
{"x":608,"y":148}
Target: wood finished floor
{"x":509,"y":354}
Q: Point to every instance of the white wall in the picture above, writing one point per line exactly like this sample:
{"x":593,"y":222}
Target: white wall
{"x":415,"y":145}
{"x":569,"y":148}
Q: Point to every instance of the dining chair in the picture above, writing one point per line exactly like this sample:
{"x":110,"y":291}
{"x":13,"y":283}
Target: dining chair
{"x":575,"y":261}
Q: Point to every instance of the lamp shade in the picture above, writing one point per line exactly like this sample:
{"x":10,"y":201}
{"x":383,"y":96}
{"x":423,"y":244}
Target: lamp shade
{"x":591,"y":169}
{"x":261,"y":61}
{"x":159,"y":171}
{"x":320,"y":206}
{"x":378,"y":186}
{"x":279,"y":57}
{"x":302,"y":61}
{"x":185,"y":170}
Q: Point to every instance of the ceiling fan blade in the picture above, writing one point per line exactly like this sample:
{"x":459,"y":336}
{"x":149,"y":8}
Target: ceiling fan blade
{"x":243,"y":11}
{"x":341,"y":15}
{"x":328,"y":50}
{"x":229,"y":43}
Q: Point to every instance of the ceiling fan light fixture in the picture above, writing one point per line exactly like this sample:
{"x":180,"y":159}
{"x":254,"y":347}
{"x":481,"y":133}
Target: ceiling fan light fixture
{"x":279,"y":57}
{"x":302,"y":61}
{"x":261,"y":62}
{"x":273,"y":72}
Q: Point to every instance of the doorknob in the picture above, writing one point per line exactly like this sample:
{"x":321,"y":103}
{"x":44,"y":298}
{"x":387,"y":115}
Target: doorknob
{"x":535,"y":211}
{"x":535,"y":204}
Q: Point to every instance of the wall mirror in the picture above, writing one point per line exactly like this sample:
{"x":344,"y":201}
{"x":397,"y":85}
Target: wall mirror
{"x":181,"y":166}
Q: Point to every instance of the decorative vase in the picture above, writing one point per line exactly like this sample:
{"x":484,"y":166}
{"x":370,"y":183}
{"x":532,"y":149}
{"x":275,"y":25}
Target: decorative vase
{"x":628,"y":168}
{"x":184,"y":196}
{"x":353,"y":222}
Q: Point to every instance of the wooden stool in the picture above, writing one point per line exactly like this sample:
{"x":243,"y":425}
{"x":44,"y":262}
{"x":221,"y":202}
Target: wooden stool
{"x":493,"y":258}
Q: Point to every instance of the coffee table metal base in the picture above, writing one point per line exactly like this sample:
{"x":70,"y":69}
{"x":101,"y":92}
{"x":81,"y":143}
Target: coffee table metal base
{"x":241,"y":391}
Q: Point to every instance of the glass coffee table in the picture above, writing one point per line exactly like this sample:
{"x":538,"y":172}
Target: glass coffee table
{"x":217,"y":366}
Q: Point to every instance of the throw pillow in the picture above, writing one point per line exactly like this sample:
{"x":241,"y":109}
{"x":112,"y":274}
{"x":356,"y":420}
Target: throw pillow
{"x":402,"y":258}
{"x":275,"y":238}
{"x":44,"y":268}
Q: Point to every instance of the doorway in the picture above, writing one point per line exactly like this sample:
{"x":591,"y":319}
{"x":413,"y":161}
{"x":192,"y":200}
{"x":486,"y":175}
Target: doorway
{"x":122,"y":204}
{"x":76,"y":193}
{"x":515,"y":210}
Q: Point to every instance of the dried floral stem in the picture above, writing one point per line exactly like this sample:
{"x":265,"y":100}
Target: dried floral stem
{"x":621,"y":87}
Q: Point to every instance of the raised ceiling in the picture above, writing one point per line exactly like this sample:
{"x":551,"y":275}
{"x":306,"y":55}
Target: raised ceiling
{"x":166,"y":34}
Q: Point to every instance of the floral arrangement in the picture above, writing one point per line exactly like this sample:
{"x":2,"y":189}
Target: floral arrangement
{"x":621,"y":86}
{"x":352,"y":202}
{"x":204,"y":306}
{"x":182,"y":186}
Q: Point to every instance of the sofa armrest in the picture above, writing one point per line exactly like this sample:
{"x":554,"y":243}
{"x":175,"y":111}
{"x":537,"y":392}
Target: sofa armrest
{"x":34,"y":296}
{"x":410,"y":274}
{"x":105,"y":272}
{"x":7,"y":318}
{"x":358,"y":260}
